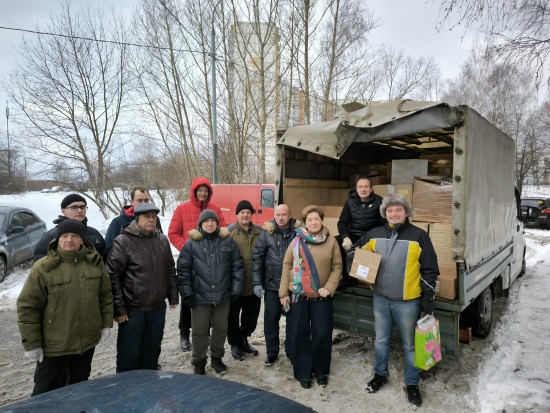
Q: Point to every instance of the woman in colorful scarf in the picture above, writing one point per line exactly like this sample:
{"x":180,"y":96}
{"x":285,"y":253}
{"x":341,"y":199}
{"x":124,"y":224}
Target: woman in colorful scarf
{"x":312,"y":268}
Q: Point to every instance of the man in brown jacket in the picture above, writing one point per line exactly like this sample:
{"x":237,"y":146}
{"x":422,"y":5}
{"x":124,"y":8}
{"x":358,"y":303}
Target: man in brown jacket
{"x":143,"y":276}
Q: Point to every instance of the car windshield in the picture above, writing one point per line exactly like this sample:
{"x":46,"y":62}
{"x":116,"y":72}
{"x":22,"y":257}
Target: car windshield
{"x":2,"y":220}
{"x":532,"y":202}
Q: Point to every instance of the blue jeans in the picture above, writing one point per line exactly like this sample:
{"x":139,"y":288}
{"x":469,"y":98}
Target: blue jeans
{"x":405,"y":315}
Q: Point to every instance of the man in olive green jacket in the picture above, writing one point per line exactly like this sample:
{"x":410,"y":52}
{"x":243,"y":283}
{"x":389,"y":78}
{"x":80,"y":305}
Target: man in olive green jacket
{"x":65,"y":309}
{"x":245,"y":309}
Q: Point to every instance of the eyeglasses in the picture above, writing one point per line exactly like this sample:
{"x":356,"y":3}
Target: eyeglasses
{"x":77,"y":208}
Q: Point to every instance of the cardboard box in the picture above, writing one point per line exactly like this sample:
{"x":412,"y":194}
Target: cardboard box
{"x":405,"y":190}
{"x":365,"y":265}
{"x":447,"y":287}
{"x":332,"y":225}
{"x":332,"y":211}
{"x":403,"y":171}
{"x":432,"y":201}
{"x":316,"y":183}
{"x":440,"y":234}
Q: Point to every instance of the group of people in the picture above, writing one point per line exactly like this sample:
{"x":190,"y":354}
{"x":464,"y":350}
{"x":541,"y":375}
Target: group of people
{"x":221,"y":275}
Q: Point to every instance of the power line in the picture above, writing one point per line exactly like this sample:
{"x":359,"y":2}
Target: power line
{"x":66,"y":36}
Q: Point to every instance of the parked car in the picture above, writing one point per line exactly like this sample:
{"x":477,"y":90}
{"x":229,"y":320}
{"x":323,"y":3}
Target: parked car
{"x":20,"y":230}
{"x":536,"y":211}
{"x":157,"y":391}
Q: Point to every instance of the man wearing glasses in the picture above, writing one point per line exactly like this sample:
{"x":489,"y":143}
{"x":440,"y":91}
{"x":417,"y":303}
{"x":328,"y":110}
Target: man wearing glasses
{"x":138,"y":195}
{"x":73,"y":206}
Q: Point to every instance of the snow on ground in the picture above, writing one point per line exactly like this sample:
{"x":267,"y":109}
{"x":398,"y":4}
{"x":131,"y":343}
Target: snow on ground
{"x":515,"y":375}
{"x":512,"y":376}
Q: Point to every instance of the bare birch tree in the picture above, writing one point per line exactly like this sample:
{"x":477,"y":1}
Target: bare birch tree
{"x":70,"y":90}
{"x":517,"y":31}
{"x":506,"y":95}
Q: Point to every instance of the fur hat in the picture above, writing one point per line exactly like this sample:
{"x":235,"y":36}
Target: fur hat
{"x":69,"y":199}
{"x":207,"y":214}
{"x":244,"y":204}
{"x":73,"y":226}
{"x":394,"y":200}
{"x":145,"y":207}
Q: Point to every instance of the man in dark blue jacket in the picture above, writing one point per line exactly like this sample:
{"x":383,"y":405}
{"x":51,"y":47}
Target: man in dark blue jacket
{"x":210,"y":274}
{"x":138,"y":195}
{"x":267,"y":264}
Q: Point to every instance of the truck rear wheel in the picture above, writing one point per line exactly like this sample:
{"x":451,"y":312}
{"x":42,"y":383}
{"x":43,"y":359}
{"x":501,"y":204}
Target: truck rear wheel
{"x":483,"y":314}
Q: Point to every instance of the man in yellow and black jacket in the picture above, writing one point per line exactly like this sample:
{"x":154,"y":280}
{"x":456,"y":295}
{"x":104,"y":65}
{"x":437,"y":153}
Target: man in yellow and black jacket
{"x":404,"y":287}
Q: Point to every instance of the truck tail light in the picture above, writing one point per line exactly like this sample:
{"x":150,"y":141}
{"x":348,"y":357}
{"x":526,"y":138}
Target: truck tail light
{"x":546,"y":211}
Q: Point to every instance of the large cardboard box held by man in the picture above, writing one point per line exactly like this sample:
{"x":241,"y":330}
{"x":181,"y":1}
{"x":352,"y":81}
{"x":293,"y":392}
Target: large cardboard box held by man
{"x":365,"y":265}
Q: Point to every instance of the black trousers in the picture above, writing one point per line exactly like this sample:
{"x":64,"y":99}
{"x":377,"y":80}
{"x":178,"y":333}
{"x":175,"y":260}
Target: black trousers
{"x":56,"y":372}
{"x":272,"y":315}
{"x":185,"y":318}
{"x":309,"y":339}
{"x":243,"y":318}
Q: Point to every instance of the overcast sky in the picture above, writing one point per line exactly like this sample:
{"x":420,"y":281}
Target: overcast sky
{"x":408,"y":25}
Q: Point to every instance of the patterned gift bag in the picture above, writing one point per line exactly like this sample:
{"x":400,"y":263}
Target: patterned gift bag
{"x":427,"y":343}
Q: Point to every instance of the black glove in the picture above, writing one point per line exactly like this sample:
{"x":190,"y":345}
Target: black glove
{"x":235,"y":297}
{"x":427,"y":306}
{"x":189,"y":301}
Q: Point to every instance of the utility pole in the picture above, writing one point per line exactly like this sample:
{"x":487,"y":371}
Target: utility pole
{"x":8,"y":136}
{"x":214,"y":97}
{"x":214,"y":103}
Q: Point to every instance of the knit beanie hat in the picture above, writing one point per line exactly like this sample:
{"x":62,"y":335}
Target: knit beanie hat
{"x":244,"y":204}
{"x":73,"y":226}
{"x":69,"y":199}
{"x":145,"y":207}
{"x":207,"y":214}
{"x":394,"y":200}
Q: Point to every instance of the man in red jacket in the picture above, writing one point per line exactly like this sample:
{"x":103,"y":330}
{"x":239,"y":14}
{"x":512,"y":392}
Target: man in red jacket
{"x":185,"y":218}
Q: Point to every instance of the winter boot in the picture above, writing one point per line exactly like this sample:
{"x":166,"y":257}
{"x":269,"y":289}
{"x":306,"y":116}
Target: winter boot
{"x":217,"y":364}
{"x":199,"y":367}
{"x":185,"y":343}
{"x":248,"y":348}
{"x":374,"y":385}
{"x":413,"y":394}
{"x":237,"y":353}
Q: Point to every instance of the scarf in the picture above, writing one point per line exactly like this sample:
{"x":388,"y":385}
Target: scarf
{"x":305,"y":276}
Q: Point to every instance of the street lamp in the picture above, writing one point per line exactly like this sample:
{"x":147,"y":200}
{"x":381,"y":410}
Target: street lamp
{"x":8,"y":136}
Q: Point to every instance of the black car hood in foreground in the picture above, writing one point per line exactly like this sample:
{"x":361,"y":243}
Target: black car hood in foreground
{"x":157,"y":391}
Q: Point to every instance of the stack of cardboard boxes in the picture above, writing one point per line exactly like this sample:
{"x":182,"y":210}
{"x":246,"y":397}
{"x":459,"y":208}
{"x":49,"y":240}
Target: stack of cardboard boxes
{"x":424,"y":183}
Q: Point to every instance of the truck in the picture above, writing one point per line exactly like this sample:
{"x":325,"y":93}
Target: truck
{"x":261,"y":196}
{"x":480,"y":239}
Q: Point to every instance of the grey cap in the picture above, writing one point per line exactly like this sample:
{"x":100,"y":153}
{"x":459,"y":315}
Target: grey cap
{"x":394,"y":200}
{"x":145,"y":207}
{"x":207,"y":214}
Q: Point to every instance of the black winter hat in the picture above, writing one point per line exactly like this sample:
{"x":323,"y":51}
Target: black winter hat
{"x":69,"y":199}
{"x":73,"y":226}
{"x":244,"y":204}
{"x":207,"y":214}
{"x":145,"y":207}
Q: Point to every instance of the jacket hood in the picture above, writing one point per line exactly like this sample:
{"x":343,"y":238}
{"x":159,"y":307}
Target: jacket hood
{"x":196,"y":235}
{"x":269,"y":226}
{"x":201,"y":180}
